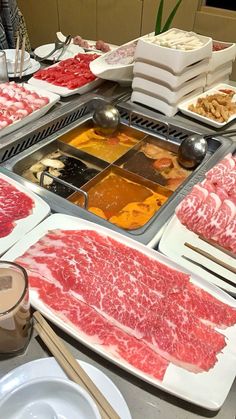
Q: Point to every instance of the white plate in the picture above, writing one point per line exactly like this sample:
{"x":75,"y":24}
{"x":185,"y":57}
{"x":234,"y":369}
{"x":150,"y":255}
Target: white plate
{"x":64,"y":91}
{"x":172,"y":245}
{"x":121,"y":73}
{"x":53,"y":98}
{"x":208,"y":389}
{"x":70,"y":51}
{"x":50,"y":368}
{"x":183,"y":106}
{"x":34,"y":66}
{"x":22,"y":226}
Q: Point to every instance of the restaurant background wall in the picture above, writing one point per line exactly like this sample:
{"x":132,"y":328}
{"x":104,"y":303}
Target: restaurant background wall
{"x":41,"y":18}
{"x":118,"y":21}
{"x":78,"y":17}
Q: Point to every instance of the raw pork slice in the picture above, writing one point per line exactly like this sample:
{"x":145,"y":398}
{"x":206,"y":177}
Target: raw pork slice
{"x":14,"y":205}
{"x":109,"y":282}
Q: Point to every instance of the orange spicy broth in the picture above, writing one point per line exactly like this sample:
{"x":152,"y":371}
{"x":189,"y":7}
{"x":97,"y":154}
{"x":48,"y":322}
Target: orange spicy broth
{"x":127,"y":204}
{"x":108,"y":148}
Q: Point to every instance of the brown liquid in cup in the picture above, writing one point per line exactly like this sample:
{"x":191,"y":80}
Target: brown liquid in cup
{"x":15,"y":323}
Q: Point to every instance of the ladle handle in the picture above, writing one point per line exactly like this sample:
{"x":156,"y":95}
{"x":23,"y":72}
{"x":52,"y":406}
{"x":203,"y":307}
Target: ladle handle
{"x":231,"y":131}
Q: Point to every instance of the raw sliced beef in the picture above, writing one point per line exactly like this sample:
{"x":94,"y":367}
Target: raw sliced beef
{"x":228,"y":182}
{"x":208,"y":185}
{"x":98,"y":331}
{"x":191,"y":203}
{"x":207,"y":218}
{"x":228,"y":238}
{"x":71,"y":73}
{"x":147,"y":270}
{"x":220,"y":220}
{"x":14,"y":205}
{"x":205,"y":307}
{"x":70,"y":261}
{"x":205,"y":213}
{"x":219,"y":170}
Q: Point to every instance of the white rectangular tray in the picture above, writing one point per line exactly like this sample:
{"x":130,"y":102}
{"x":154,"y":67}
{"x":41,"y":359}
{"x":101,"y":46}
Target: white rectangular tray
{"x":40,"y":210}
{"x":145,"y":70}
{"x":183,"y":106}
{"x":169,"y":95}
{"x":223,"y":56}
{"x":172,"y":245}
{"x":64,"y":91}
{"x":175,"y":60}
{"x":208,"y":389}
{"x":159,"y":104}
{"x":53,"y":98}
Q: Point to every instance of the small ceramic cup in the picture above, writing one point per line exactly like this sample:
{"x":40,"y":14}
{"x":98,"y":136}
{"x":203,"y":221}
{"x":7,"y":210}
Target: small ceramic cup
{"x":10,"y":59}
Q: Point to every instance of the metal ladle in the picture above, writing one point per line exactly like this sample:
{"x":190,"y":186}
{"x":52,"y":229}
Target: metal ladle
{"x":193,"y":149}
{"x":106,"y":119}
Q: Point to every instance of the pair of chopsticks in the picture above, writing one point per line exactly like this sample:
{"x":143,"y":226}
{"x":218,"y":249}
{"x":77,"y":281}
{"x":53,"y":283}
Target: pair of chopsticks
{"x":21,"y":55}
{"x":71,"y":367}
{"x":210,"y":257}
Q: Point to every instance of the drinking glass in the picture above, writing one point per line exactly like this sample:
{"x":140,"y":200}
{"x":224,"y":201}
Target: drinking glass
{"x":15,"y":317}
{"x":3,"y":67}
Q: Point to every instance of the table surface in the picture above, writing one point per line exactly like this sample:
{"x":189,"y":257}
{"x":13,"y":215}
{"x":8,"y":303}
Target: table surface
{"x":144,"y":401}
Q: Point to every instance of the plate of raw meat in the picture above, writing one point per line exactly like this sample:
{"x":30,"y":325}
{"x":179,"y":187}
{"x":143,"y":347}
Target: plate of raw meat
{"x":20,"y":211}
{"x":133,"y":306}
{"x":21,"y":104}
{"x":206,"y":220}
{"x":68,"y":77}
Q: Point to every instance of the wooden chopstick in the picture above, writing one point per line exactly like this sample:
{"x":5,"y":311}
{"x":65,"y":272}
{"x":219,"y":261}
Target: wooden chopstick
{"x":213,"y":243}
{"x":16,"y":54}
{"x":69,"y":364}
{"x":22,"y":56}
{"x":212,"y":258}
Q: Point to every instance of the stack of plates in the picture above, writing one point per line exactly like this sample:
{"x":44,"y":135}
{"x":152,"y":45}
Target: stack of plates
{"x":221,"y":62}
{"x":164,"y":77}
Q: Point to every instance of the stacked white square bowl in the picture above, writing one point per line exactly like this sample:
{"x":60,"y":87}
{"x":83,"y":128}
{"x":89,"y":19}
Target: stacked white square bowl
{"x":169,"y":73}
{"x":220,"y":64}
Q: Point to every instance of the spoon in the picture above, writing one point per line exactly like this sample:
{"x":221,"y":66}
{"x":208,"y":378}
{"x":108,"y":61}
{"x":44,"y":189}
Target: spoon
{"x":106,"y":119}
{"x":193,"y":149}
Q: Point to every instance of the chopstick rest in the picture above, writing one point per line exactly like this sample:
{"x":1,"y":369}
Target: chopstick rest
{"x":72,"y":368}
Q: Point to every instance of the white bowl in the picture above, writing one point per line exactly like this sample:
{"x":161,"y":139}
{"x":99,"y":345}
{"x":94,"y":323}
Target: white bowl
{"x":10,"y":58}
{"x":173,"y":59}
{"x":48,"y":398}
{"x":119,"y":71}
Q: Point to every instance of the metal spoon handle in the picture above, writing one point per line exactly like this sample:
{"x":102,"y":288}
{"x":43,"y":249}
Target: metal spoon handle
{"x":230,"y":131}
